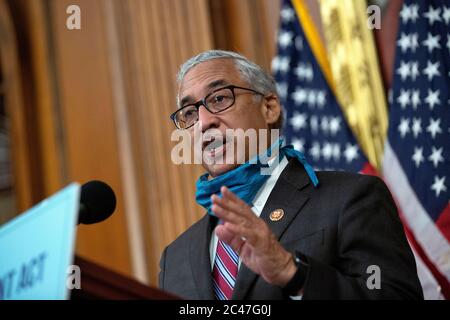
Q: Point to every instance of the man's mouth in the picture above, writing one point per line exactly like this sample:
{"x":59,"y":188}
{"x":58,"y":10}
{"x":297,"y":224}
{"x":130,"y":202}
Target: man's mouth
{"x":214,"y":147}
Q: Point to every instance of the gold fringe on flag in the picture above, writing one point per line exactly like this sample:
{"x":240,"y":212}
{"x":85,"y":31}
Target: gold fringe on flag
{"x":314,"y":40}
{"x":355,"y":71}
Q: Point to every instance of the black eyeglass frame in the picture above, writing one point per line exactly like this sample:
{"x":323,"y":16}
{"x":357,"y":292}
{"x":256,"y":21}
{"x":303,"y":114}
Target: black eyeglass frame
{"x":202,"y":102}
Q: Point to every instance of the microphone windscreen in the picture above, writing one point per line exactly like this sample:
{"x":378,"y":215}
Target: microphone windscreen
{"x":97,"y":202}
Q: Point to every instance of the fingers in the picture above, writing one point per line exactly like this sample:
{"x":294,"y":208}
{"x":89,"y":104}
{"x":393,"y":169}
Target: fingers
{"x":231,"y":203}
{"x":250,"y":235}
{"x":235,"y":203}
{"x":226,"y":215}
{"x":236,"y":233}
{"x":228,"y":205}
{"x":228,"y":194}
{"x":234,"y":227}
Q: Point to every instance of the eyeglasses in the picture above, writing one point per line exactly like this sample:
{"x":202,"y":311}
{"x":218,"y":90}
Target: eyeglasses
{"x":217,"y":101}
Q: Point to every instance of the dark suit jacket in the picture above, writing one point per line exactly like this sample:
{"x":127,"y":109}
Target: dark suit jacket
{"x":347,"y":224}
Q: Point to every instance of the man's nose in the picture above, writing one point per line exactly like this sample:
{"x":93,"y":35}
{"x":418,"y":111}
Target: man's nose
{"x":207,"y":119}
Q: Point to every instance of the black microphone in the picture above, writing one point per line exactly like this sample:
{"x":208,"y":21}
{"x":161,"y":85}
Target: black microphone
{"x":97,"y":202}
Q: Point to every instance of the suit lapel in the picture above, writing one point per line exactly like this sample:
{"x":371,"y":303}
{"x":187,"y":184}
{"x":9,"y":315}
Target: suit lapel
{"x":285,"y":195}
{"x":200,"y":259}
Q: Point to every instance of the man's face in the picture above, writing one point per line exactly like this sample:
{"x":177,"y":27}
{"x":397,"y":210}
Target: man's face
{"x":247,"y":111}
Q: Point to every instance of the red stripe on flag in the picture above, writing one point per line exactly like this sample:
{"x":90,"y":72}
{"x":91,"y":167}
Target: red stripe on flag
{"x":443,"y":223}
{"x":445,"y":285}
{"x":443,"y":282}
{"x":369,"y":170}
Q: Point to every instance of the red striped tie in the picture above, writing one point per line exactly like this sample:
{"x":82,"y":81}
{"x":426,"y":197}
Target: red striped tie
{"x":224,"y":271}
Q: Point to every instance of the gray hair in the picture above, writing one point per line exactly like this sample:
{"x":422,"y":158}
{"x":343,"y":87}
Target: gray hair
{"x":255,"y":76}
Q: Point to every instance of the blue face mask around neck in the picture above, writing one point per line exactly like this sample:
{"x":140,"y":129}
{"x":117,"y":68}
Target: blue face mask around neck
{"x":246,"y":180}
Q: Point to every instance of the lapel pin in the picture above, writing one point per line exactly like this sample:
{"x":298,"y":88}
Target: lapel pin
{"x":276,"y":215}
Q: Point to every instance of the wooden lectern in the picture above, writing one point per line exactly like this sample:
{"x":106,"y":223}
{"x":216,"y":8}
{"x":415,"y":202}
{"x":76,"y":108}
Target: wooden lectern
{"x":100,"y":283}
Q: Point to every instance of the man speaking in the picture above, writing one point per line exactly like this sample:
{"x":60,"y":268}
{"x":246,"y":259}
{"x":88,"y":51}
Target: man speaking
{"x":289,"y":232}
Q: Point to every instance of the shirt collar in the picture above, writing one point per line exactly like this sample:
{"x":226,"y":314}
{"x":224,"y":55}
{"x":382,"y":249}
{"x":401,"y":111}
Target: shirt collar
{"x":263,"y":193}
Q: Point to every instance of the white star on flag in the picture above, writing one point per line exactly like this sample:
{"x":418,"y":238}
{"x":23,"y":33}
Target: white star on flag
{"x":418,"y":156}
{"x":432,"y":98}
{"x":432,"y":42}
{"x":414,"y":12}
{"x":275,"y":64}
{"x":298,"y":121}
{"x":403,"y":99}
{"x":324,"y":125}
{"x":434,"y":127}
{"x":287,"y":14}
{"x":446,"y":15}
{"x":284,"y":64}
{"x":409,"y":13}
{"x":431,"y":70}
{"x":327,"y":151}
{"x":436,"y":156}
{"x":403,"y":127}
{"x":416,"y":127}
{"x":438,"y":185}
{"x":336,"y":151}
{"x":304,"y":72}
{"x":315,"y":150}
{"x":414,"y":42}
{"x":404,"y":70}
{"x":414,"y":70}
{"x":433,"y":15}
{"x":334,"y":125}
{"x":285,"y":39}
{"x":311,"y":98}
{"x":298,"y":144}
{"x":351,"y":152}
{"x":314,"y":124}
{"x":415,"y":98}
{"x":405,"y":13}
{"x":299,"y":95}
{"x":321,"y":98}
{"x":404,"y":42}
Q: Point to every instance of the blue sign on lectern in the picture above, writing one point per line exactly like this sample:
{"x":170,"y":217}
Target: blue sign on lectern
{"x":37,"y":247}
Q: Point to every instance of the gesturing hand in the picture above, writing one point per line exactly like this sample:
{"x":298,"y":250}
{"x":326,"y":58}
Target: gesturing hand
{"x":252,"y":239}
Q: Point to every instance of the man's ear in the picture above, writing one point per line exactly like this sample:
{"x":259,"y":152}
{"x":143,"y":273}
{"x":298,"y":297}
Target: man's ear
{"x":271,"y":109}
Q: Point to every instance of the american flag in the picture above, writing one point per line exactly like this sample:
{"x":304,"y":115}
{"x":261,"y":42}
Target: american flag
{"x":315,"y":123}
{"x":417,"y":153}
